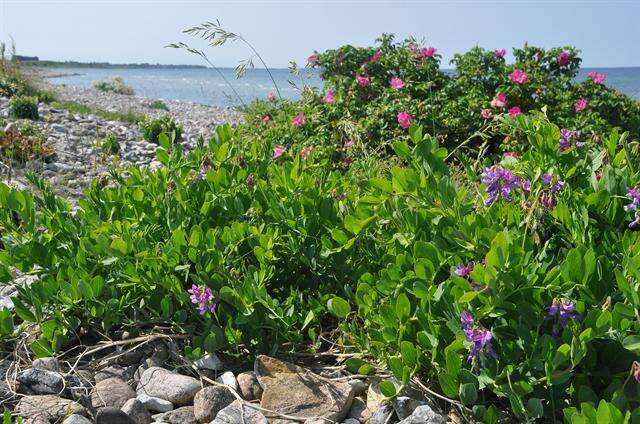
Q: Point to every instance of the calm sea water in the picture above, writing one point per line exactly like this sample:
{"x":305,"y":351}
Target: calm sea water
{"x":208,"y":87}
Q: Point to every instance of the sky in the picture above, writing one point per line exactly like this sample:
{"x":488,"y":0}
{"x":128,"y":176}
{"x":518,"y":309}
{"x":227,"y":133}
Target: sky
{"x":135,"y":31}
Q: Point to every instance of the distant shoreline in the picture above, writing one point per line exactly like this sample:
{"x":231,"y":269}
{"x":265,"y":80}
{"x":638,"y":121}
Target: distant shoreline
{"x":104,"y":65}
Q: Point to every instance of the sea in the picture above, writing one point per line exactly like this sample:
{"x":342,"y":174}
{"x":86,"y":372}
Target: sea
{"x":211,"y":87}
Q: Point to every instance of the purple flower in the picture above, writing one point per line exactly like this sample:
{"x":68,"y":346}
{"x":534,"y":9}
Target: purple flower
{"x":499,"y":182}
{"x":634,"y":194}
{"x":565,"y":138}
{"x":479,"y":336}
{"x":556,"y":187}
{"x":561,"y":311}
{"x":546,"y":178}
{"x":203,"y":297}
{"x":463,"y":270}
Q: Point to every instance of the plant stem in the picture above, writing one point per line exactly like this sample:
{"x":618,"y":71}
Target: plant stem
{"x":263,"y":64}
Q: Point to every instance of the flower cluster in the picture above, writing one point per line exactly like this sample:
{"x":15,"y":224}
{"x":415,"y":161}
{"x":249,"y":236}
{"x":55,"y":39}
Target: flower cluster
{"x":404,"y":120}
{"x":563,"y":58}
{"x":203,"y":297}
{"x":548,"y":198}
{"x":515,"y":112}
{"x":463,"y":270}
{"x":518,"y":76}
{"x":634,"y":194}
{"x":363,"y":80}
{"x":500,"y":101}
{"x":298,"y":120}
{"x":329,"y":97}
{"x":278,"y":151}
{"x":500,"y":53}
{"x":479,"y":336}
{"x":396,"y":83}
{"x":306,"y":152}
{"x":499,"y":182}
{"x":596,"y":77}
{"x":561,"y":311}
{"x":565,"y":138}
{"x":581,"y":104}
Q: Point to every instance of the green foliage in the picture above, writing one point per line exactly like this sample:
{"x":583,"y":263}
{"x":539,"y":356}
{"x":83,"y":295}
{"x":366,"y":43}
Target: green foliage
{"x":110,"y":145}
{"x":159,"y":104}
{"x":129,"y":116}
{"x":23,"y":142}
{"x":115,"y":85}
{"x":71,"y":106}
{"x":24,"y":107}
{"x":152,"y":128}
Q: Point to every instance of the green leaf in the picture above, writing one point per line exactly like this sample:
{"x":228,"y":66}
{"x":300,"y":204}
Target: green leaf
{"x":387,"y":388}
{"x":339,"y":307}
{"x":403,"y":307}
{"x":409,"y":355}
{"x":535,"y":408}
{"x":468,"y":393}
{"x":632,"y":343}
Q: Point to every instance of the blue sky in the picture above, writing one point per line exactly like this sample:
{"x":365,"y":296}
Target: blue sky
{"x":137,"y":30}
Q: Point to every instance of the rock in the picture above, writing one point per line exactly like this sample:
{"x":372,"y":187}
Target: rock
{"x":182,"y":415}
{"x":155,"y":404}
{"x":36,"y":381}
{"x":380,"y":415}
{"x":228,"y":379}
{"x":49,"y":407}
{"x":351,"y":421}
{"x":76,"y":419}
{"x":111,"y":392}
{"x":49,"y":364}
{"x":211,"y":400}
{"x":359,"y":386}
{"x":209,"y":362}
{"x":375,"y":398}
{"x":58,"y":128}
{"x":359,"y":410}
{"x":404,"y":406}
{"x":236,"y":412}
{"x":111,"y":415}
{"x":176,"y":388}
{"x":136,"y":411}
{"x":111,"y":372}
{"x":249,"y":386}
{"x":292,"y":390}
{"x":424,"y":415}
{"x":148,"y":363}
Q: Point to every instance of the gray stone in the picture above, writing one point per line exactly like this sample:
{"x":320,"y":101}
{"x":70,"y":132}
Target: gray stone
{"x":351,"y":421}
{"x":228,"y":379}
{"x":211,"y":400}
{"x":359,"y":410}
{"x":111,"y":415}
{"x":49,"y":407}
{"x":155,"y":404}
{"x":209,"y":362}
{"x":237,"y":412}
{"x":110,"y":372}
{"x":359,"y":386}
{"x":49,"y":364}
{"x":381,"y":415}
{"x":148,"y":363}
{"x":292,"y":390}
{"x":136,"y":411}
{"x":111,"y":392}
{"x":404,"y":406}
{"x":424,"y":415}
{"x":249,"y":386}
{"x":36,"y":381}
{"x":182,"y":415}
{"x":176,"y":388}
{"x":76,"y":419}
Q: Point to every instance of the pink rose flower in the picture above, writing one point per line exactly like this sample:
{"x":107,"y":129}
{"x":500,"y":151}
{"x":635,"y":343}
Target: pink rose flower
{"x":266,"y":119}
{"x":404,"y":120}
{"x":349,"y":143}
{"x":313,"y":59}
{"x":429,"y":51}
{"x":306,"y":152}
{"x":330,"y":97}
{"x":518,"y":76}
{"x":500,"y":101}
{"x":376,"y":57}
{"x":515,"y":111}
{"x":298,"y":120}
{"x":271,"y":97}
{"x":486,"y":114}
{"x":396,"y":83}
{"x":278,"y":151}
{"x":513,"y":155}
{"x":581,"y":104}
{"x":563,"y":58}
{"x":363,"y":80}
{"x":500,"y":53}
{"x":596,"y":77}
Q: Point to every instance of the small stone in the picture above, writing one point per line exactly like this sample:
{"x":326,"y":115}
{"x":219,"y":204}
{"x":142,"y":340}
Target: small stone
{"x":36,"y":381}
{"x":110,"y":372}
{"x":49,"y":364}
{"x":237,"y":412}
{"x":359,"y":410}
{"x":359,"y":386}
{"x":76,"y":419}
{"x":176,"y":388}
{"x":351,"y":421}
{"x":111,"y":415}
{"x":148,"y":363}
{"x":111,"y":392}
{"x":211,"y":400}
{"x":249,"y":386}
{"x":182,"y":415}
{"x":228,"y":379}
{"x":155,"y":404}
{"x":136,"y":411}
{"x":381,"y":415}
{"x":404,"y":406}
{"x":50,"y":407}
{"x":209,"y":362}
{"x":424,"y":415}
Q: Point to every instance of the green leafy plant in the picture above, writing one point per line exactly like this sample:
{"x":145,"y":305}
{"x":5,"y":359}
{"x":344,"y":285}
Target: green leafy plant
{"x":24,"y":107}
{"x":152,"y":128}
{"x":115,"y":85}
{"x":24,"y":142}
{"x":110,"y":145}
{"x":159,"y":104}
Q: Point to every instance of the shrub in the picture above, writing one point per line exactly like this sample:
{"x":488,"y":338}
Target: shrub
{"x":115,"y":85}
{"x":110,"y":145}
{"x":129,"y":116}
{"x":24,"y":107}
{"x":71,"y":106}
{"x":24,"y":142}
{"x":159,"y":104}
{"x":152,"y":128}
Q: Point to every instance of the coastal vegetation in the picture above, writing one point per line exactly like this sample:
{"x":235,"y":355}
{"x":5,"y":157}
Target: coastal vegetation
{"x":24,"y":107}
{"x":115,"y":85}
{"x":474,"y":235}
